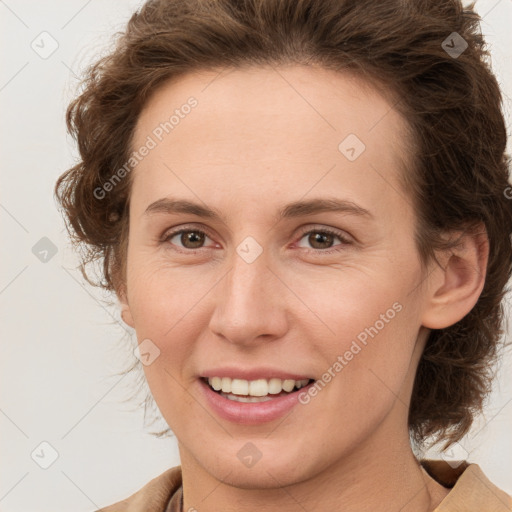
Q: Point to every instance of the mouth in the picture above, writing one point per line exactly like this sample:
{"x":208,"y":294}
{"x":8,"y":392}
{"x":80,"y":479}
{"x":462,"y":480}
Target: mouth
{"x":254,"y":391}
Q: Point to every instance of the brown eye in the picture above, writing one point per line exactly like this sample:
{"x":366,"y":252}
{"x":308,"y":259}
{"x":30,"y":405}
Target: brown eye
{"x":322,"y":240}
{"x":194,"y":238}
{"x":319,"y":240}
{"x":186,"y":238}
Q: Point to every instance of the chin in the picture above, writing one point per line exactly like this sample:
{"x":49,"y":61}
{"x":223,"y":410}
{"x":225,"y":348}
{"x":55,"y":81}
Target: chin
{"x":273,"y":464}
{"x":263,"y":475}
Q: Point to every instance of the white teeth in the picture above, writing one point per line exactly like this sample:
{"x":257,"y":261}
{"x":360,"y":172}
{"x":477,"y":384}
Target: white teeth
{"x":216,"y":383}
{"x":247,"y":399}
{"x":288,"y":385}
{"x":258,"y":388}
{"x":226,"y":384}
{"x":254,"y":388}
{"x":274,"y":386}
{"x":239,"y":387}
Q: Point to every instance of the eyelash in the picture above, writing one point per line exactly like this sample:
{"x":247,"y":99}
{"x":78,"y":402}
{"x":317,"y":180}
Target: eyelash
{"x":324,"y":231}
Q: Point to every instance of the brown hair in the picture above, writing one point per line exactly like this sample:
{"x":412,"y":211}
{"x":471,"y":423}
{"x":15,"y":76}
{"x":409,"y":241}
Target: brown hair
{"x":452,"y":105}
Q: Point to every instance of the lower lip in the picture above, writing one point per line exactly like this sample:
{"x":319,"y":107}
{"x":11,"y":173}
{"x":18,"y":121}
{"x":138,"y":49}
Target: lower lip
{"x":252,"y":413}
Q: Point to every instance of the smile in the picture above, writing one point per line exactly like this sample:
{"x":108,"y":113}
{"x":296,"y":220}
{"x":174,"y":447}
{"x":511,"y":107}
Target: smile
{"x":252,"y":402}
{"x":259,"y":390}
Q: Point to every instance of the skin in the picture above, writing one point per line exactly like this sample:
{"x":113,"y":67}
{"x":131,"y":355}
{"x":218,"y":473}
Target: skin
{"x":258,"y":139}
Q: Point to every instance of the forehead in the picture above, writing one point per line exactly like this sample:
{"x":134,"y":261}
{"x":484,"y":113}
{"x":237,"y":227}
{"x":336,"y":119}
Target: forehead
{"x":299,"y":91}
{"x":270,"y":125}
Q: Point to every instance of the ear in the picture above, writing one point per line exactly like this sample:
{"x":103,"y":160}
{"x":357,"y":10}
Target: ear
{"x":455,"y":288}
{"x":126,"y":313}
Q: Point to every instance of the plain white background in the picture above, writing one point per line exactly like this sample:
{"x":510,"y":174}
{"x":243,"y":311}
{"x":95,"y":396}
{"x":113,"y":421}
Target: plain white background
{"x":61,"y":344}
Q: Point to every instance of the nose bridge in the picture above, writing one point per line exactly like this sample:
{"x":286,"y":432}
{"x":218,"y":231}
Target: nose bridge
{"x":247,"y":301}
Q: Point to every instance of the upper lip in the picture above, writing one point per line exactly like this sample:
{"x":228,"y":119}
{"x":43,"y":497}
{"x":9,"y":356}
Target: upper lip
{"x":252,"y":373}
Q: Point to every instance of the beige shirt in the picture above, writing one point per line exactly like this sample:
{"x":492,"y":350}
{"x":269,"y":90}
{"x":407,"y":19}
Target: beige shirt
{"x":471,"y":491}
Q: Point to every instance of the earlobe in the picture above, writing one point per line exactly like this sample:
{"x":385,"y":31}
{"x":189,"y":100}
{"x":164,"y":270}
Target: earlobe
{"x":126,"y":313}
{"x":461,"y":279}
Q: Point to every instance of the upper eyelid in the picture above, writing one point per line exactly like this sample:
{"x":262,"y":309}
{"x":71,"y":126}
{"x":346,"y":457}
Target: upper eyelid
{"x":174,"y":231}
{"x":194,"y":227}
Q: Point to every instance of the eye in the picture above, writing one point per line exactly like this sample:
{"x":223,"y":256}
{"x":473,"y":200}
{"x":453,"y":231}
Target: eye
{"x":190,"y":239}
{"x":321,"y":240}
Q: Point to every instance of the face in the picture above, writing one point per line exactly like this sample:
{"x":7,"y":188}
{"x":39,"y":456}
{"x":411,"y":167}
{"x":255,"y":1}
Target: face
{"x":303,"y":270}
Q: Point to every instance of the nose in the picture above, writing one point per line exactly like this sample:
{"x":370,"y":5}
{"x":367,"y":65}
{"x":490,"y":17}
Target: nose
{"x":250,"y":303}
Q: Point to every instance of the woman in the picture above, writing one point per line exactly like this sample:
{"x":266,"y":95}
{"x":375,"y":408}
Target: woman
{"x":301,"y":208}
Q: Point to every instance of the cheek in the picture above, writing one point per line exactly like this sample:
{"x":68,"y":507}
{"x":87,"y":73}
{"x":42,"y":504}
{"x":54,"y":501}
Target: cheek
{"x":360,"y":305}
{"x":162,"y":313}
{"x":158,"y":296}
{"x":166,"y":309}
{"x":378,"y":364}
{"x":374,"y":323}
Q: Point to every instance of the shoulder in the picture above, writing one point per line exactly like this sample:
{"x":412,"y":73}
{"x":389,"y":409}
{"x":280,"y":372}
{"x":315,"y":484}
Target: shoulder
{"x":471,"y":490}
{"x":154,"y":496}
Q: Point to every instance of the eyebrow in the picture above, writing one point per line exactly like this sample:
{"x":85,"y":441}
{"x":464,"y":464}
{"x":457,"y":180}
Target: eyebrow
{"x":295,"y":209}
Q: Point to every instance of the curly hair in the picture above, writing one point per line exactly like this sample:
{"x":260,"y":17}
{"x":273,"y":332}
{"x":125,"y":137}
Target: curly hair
{"x":451,"y":103}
